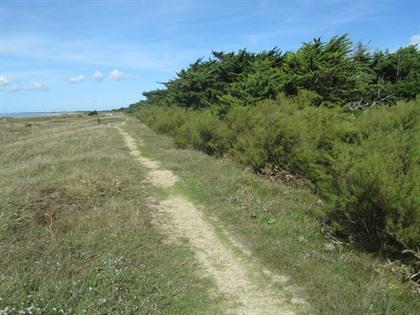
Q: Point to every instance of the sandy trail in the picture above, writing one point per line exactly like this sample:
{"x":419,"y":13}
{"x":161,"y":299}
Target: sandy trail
{"x":239,"y":279}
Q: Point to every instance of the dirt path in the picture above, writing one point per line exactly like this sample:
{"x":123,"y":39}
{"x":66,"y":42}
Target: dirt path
{"x":246,"y":286}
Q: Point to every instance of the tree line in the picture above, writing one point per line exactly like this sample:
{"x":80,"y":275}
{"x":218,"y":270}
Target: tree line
{"x":337,"y":72}
{"x":342,"y":118}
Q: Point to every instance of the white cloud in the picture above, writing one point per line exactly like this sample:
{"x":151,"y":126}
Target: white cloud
{"x":415,"y":39}
{"x":116,"y":74}
{"x":77,"y":78}
{"x":98,"y":75}
{"x":39,"y":86}
{"x":35,"y":86}
{"x":4,"y":81}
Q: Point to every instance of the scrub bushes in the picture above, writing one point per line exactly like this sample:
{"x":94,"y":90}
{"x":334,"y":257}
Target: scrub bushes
{"x":205,"y":132}
{"x":365,"y":166}
{"x":378,"y":199}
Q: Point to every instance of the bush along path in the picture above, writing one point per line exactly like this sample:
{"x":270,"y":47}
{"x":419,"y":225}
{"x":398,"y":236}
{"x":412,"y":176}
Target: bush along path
{"x":247,"y":287}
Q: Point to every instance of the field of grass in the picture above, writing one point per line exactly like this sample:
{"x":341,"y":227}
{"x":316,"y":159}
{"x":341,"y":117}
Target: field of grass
{"x":76,"y":233}
{"x":75,"y":229}
{"x":278,"y":225}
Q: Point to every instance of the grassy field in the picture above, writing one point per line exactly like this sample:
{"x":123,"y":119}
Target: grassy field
{"x":76,"y":234}
{"x":277,"y":224}
{"x":75,"y":231}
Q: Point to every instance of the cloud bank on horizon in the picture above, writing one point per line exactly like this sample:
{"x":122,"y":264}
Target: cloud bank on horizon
{"x":117,"y":49}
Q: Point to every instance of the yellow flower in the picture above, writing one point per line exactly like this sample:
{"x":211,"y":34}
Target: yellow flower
{"x":391,"y":285}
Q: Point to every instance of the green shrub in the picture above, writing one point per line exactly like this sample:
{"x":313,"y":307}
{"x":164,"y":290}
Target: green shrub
{"x":163,"y":119}
{"x":379,"y":196}
{"x":204,"y":132}
{"x":290,"y":134}
{"x":365,"y":166}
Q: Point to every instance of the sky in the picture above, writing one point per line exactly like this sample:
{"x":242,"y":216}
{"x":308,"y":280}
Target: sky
{"x":84,"y":55}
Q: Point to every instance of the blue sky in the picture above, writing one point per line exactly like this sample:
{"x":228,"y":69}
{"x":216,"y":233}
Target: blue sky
{"x":82,"y":55}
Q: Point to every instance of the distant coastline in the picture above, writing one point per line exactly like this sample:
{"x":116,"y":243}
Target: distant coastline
{"x":31,"y":114}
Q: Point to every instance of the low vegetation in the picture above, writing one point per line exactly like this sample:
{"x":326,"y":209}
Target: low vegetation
{"x":277,"y":225}
{"x":75,"y":228}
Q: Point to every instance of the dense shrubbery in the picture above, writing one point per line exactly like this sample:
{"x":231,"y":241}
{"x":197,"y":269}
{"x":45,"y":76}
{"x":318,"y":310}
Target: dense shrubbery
{"x":366,"y":167}
{"x":300,"y":112}
{"x":379,"y":179}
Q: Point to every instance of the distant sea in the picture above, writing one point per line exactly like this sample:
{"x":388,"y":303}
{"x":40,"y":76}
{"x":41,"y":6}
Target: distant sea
{"x":29,"y":115}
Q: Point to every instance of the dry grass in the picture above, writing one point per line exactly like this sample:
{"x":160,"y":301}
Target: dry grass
{"x":76,"y":232}
{"x":75,"y":229}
